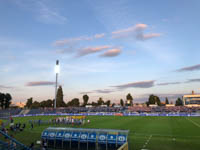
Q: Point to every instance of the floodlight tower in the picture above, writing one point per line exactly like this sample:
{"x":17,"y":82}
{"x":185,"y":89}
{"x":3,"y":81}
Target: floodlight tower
{"x":57,"y":70}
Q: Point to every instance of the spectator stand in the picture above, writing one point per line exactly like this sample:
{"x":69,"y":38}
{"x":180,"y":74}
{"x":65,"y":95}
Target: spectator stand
{"x":11,"y":143}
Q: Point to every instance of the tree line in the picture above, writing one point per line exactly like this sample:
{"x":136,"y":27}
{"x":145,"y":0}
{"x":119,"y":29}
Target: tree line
{"x":5,"y":100}
{"x":153,"y":99}
{"x":75,"y":102}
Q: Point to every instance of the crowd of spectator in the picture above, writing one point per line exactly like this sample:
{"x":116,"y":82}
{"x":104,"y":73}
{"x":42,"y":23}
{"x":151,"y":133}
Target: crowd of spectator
{"x":163,"y":109}
{"x":11,"y":111}
{"x":137,"y":109}
{"x":76,"y":110}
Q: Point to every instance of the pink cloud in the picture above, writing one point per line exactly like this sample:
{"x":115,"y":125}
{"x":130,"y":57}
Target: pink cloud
{"x":77,"y":39}
{"x":70,"y":41}
{"x":89,"y":50}
{"x":111,"y":53}
{"x":147,"y":36}
{"x":136,"y":32}
{"x":129,"y":31}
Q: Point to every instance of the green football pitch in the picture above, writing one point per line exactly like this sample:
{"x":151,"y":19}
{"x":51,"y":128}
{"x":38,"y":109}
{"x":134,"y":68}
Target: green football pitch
{"x":150,"y":133}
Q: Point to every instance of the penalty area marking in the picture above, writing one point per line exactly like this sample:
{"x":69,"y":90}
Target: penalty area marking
{"x":147,"y":142}
{"x":193,"y":122}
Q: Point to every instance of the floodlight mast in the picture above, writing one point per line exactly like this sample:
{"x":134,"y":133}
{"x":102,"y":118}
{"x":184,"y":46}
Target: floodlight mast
{"x":56,"y":71}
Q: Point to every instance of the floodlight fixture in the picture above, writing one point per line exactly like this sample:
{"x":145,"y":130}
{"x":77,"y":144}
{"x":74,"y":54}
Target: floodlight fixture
{"x":57,"y":70}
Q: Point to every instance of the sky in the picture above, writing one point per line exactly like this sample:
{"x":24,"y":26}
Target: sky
{"x":105,"y":48}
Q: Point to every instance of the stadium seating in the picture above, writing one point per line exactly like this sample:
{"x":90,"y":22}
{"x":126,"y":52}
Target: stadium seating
{"x":11,"y":111}
{"x":11,"y":143}
{"x":134,"y":109}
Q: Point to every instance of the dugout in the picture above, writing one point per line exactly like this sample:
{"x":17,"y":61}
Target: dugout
{"x":84,"y":139}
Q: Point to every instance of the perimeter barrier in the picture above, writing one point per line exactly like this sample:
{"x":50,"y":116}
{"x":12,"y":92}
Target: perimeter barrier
{"x":113,"y":114}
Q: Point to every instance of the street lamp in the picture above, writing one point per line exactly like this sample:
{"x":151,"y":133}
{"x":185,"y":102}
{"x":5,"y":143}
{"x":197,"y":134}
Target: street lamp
{"x":57,"y":70}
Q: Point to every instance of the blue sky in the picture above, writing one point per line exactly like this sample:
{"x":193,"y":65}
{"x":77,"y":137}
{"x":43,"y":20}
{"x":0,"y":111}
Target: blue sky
{"x":106,"y":48}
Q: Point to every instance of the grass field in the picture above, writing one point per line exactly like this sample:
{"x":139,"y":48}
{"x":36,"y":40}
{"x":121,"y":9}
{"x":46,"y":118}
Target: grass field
{"x":152,"y":133}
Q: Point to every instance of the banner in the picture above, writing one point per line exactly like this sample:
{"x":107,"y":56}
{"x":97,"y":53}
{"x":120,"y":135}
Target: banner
{"x":111,"y":114}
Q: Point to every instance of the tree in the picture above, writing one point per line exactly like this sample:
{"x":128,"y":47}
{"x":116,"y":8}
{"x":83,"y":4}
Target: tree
{"x":2,"y":100}
{"x":129,"y":99}
{"x":35,"y":104}
{"x":29,"y":102}
{"x":157,"y":100}
{"x":85,"y":99}
{"x":121,"y":102}
{"x":49,"y":103}
{"x":100,"y":101}
{"x":166,"y":101}
{"x":179,"y":102}
{"x":59,"y":98}
{"x":108,"y":103}
{"x":8,"y":99}
{"x":74,"y":103}
{"x":151,"y":99}
{"x":43,"y":104}
{"x":94,"y":104}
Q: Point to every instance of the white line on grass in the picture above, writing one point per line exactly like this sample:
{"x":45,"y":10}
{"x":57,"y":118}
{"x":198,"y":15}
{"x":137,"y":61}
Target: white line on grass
{"x":147,"y":142}
{"x":165,"y":135}
{"x":193,"y":122}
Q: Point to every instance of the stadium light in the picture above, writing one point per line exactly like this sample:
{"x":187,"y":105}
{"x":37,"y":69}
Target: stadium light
{"x":57,"y":70}
{"x":57,"y":67}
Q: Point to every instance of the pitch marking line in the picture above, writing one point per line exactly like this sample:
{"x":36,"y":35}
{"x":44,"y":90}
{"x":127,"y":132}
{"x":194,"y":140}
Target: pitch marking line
{"x":193,"y":122}
{"x":147,"y":142}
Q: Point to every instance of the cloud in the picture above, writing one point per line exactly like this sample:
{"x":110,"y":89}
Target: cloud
{"x":193,"y":80}
{"x":104,"y":91}
{"x":68,"y":41}
{"x":90,"y":50}
{"x":111,"y":53}
{"x":86,"y":92}
{"x":5,"y":87}
{"x":135,"y":32}
{"x":40,"y":83}
{"x":174,"y":83}
{"x":97,"y":36}
{"x":140,"y":84}
{"x":168,"y":83}
{"x":43,"y":11}
{"x":127,"y":31}
{"x":69,"y":49}
{"x":48,"y":15}
{"x":143,"y":37}
{"x":190,"y":68}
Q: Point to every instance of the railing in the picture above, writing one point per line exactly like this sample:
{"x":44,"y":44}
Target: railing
{"x":13,"y":143}
{"x":124,"y":146}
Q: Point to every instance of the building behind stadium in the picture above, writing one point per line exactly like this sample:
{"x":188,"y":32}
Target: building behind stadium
{"x":192,"y":100}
